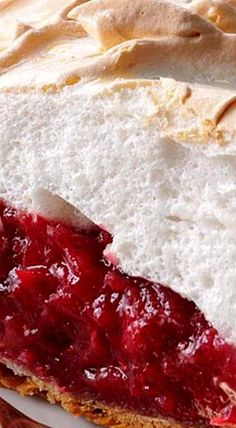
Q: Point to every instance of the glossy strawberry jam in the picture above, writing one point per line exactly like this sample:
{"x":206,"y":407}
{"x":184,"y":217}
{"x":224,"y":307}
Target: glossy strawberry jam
{"x":71,"y":317}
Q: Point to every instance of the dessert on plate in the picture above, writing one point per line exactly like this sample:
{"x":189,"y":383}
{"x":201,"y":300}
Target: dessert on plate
{"x":118,"y":207}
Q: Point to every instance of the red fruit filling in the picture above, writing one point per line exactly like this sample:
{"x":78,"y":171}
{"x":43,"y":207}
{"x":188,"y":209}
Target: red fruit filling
{"x":70,"y":317}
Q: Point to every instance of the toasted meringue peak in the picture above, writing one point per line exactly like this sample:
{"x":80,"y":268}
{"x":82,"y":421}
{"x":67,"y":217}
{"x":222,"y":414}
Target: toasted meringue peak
{"x":220,"y":12}
{"x":139,"y":37}
{"x":10,"y":30}
{"x":112,"y":22}
{"x":158,"y":37}
{"x":35,"y":13}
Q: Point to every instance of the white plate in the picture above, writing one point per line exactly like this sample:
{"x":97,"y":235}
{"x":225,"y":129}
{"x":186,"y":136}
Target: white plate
{"x":51,"y":415}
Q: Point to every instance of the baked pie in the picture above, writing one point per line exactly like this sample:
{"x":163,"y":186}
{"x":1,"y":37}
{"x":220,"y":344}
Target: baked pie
{"x":118,"y":204}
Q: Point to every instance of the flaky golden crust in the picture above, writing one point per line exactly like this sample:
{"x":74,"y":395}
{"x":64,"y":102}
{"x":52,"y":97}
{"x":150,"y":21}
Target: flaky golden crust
{"x":93,"y":411}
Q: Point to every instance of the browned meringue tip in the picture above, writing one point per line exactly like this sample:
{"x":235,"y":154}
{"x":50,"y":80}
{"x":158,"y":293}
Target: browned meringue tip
{"x":220,"y":12}
{"x":109,"y":38}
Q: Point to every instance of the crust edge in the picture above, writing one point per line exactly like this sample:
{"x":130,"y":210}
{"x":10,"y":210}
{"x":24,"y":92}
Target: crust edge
{"x":93,"y":411}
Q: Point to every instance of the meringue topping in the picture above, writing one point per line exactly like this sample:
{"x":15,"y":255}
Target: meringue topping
{"x":10,"y":30}
{"x":112,"y":23}
{"x":52,"y":44}
{"x":220,"y":13}
{"x":37,"y":12}
{"x":139,"y":38}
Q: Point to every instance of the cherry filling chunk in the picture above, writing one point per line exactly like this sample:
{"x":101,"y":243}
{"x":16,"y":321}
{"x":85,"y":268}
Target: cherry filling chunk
{"x":73,"y":319}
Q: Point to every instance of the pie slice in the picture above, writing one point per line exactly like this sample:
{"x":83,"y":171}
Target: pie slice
{"x":117,"y":212}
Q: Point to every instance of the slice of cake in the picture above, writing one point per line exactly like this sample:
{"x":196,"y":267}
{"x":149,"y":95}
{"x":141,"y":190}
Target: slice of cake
{"x":117,"y":212}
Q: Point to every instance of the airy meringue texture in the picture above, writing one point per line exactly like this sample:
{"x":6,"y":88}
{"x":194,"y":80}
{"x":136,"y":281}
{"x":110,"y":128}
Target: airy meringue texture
{"x":85,"y":115}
